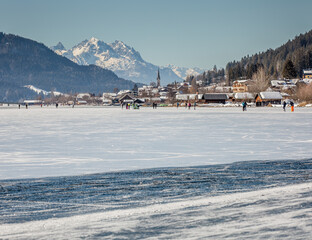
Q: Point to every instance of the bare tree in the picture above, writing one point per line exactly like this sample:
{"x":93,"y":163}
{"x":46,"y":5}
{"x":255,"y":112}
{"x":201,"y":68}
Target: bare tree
{"x":260,"y":81}
{"x":304,"y":93}
{"x":194,"y":86}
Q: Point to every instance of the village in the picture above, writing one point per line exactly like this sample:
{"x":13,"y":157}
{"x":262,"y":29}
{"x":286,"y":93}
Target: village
{"x":193,"y":92}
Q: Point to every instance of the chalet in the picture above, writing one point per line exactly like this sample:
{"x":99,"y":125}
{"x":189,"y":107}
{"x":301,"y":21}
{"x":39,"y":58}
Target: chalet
{"x":283,"y":84}
{"x":188,"y":97}
{"x":126,"y":99}
{"x":215,"y":98}
{"x":307,"y":73}
{"x":266,"y":98}
{"x":244,"y":97}
{"x":33,"y":102}
{"x":240,"y":86}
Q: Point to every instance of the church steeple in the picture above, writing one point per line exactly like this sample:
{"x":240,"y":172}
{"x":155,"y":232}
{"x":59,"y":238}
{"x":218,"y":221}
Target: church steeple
{"x":158,"y":79}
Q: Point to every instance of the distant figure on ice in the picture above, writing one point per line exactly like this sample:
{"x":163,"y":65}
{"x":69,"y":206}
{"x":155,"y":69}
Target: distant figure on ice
{"x":292,"y":106}
{"x":244,"y":106}
{"x":19,"y":106}
{"x":26,"y":105}
{"x":194,"y":105}
{"x":177,"y":104}
{"x":284,"y":106}
{"x":189,"y":105}
{"x":56,"y":105}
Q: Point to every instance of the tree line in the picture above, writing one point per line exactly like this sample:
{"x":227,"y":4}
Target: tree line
{"x":287,"y":61}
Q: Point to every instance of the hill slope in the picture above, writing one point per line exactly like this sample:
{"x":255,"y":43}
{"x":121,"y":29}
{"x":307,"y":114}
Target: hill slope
{"x":26,"y":62}
{"x":298,"y":50}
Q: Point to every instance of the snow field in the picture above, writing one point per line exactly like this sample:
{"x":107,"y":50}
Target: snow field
{"x":40,"y":142}
{"x":274,"y":213}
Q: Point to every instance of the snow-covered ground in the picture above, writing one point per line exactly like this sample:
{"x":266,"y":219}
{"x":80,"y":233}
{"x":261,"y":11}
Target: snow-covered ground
{"x":247,"y":200}
{"x":39,"y":142}
{"x":229,"y":195}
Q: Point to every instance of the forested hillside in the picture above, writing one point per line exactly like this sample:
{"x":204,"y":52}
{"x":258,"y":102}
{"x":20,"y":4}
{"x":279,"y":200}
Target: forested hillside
{"x":26,"y":62}
{"x":276,"y":62}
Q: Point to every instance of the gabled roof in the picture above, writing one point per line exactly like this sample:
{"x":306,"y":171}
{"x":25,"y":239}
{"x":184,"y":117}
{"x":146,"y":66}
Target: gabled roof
{"x":185,"y":97}
{"x":125,"y":97}
{"x":271,"y":95}
{"x":244,"y":95}
{"x":215,"y":96}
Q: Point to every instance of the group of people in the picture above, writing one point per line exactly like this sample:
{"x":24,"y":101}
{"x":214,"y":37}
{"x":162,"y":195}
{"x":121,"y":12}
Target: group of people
{"x":292,"y":106}
{"x":187,"y":105}
{"x":128,"y":106}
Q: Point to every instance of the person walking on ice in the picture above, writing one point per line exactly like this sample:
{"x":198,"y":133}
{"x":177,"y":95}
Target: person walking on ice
{"x":284,"y":106}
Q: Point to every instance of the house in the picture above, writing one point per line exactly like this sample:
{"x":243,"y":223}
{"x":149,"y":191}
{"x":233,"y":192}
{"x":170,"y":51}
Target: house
{"x":215,"y":98}
{"x":266,"y":98}
{"x":188,"y":97}
{"x":240,"y":86}
{"x":307,"y":73}
{"x":33,"y":102}
{"x":283,"y":84}
{"x":126,"y":99}
{"x":83,"y":95}
{"x":245,"y":96}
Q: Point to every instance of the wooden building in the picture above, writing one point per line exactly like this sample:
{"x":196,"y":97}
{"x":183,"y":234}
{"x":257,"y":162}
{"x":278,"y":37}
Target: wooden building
{"x":266,"y":98}
{"x":215,"y":98}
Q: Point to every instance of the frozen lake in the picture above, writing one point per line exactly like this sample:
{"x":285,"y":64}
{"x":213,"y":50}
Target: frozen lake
{"x":209,"y":173}
{"x":40,"y":142}
{"x":246,"y":200}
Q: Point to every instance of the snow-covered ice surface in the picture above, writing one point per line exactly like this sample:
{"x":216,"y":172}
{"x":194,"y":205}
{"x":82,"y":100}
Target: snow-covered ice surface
{"x":216,"y":173}
{"x":40,"y":142}
{"x":254,"y":200}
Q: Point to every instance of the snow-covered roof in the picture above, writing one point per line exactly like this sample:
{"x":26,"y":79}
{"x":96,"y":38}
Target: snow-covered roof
{"x":81,"y":95}
{"x":185,"y":97}
{"x":307,"y":71}
{"x":244,"y":95}
{"x":277,"y":83}
{"x":216,"y":96}
{"x":271,"y":95}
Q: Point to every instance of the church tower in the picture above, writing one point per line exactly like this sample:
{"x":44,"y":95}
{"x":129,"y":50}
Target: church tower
{"x":158,"y":79}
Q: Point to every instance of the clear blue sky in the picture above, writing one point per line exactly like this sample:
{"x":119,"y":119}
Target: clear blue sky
{"x":181,"y":32}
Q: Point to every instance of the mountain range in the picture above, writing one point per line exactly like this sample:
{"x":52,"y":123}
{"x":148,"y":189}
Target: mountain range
{"x":123,"y":60}
{"x":26,"y":62}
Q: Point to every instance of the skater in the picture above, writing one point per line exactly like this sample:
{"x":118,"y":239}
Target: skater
{"x":284,"y":106}
{"x":194,"y":105}
{"x":244,"y":106}
{"x":292,"y":106}
{"x":177,"y":104}
{"x":189,"y":105}
{"x":19,"y":106}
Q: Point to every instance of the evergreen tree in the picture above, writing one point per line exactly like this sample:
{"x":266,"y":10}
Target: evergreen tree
{"x":289,"y":70}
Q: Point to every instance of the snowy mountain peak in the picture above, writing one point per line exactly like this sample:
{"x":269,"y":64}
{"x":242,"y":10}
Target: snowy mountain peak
{"x":94,"y":40}
{"x":59,"y":47}
{"x":124,"y":60}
